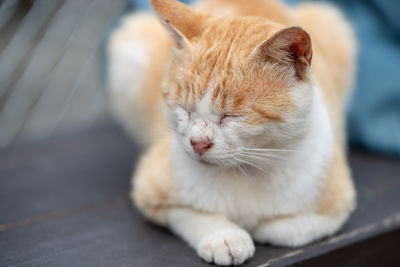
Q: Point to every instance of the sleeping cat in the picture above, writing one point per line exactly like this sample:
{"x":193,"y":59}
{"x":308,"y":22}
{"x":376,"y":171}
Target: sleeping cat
{"x":252,"y":141}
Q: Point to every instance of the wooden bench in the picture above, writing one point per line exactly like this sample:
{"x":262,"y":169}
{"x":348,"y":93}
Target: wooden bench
{"x":64,"y":202}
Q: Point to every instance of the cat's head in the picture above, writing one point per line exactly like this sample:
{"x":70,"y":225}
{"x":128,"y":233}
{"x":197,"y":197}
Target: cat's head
{"x":234,"y":83}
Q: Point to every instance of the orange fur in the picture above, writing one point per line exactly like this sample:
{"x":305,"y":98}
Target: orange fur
{"x":338,"y":194}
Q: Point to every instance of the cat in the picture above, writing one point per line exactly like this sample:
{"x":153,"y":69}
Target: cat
{"x":252,"y":145}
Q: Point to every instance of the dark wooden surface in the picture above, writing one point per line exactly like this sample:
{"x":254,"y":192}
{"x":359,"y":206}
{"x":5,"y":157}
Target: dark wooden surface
{"x":64,"y":202}
{"x":381,"y":250}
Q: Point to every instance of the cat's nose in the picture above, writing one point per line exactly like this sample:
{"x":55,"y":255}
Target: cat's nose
{"x":200,"y":147}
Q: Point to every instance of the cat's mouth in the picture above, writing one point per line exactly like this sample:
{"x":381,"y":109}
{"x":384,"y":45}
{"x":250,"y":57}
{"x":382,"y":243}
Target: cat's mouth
{"x":205,"y":161}
{"x":206,"y":158}
{"x":211,"y":162}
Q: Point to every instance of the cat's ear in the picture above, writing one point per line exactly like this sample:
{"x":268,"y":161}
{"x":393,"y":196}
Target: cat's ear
{"x":291,"y":46}
{"x":181,"y":20}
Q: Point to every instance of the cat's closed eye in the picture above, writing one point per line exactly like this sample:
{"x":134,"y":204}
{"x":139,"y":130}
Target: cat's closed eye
{"x":183,"y":113}
{"x":225,"y":118}
{"x":188,"y":112}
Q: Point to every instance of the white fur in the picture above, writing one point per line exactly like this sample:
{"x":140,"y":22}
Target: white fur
{"x":252,"y":198}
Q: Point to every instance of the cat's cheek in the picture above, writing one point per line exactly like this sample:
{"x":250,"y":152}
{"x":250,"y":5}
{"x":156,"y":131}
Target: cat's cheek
{"x":219,"y":143}
{"x":232,"y":134}
{"x":224,"y":146}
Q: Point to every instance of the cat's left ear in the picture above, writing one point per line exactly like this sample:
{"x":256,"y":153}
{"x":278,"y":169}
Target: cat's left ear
{"x":181,"y":20}
{"x":291,"y":46}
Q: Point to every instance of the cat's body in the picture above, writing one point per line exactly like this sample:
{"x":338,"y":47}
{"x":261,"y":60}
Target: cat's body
{"x":257,"y":145}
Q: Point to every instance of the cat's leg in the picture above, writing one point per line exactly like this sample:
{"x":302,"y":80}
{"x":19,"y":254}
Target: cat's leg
{"x":214,"y":237}
{"x":297,"y":230}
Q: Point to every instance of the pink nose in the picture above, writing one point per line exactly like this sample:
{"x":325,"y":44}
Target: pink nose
{"x":201,"y":147}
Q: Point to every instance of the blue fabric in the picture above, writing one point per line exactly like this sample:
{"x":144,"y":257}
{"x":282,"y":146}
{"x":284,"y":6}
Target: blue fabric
{"x":374,"y":115}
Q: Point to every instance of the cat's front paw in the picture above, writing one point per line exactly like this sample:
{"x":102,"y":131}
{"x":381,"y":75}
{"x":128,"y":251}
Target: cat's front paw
{"x":227,"y":248}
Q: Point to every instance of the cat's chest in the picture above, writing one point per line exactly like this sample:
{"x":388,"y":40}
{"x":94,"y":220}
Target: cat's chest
{"x":245,"y":200}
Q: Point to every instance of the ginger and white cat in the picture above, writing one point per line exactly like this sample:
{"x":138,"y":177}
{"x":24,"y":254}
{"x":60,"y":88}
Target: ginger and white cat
{"x":254,"y":141}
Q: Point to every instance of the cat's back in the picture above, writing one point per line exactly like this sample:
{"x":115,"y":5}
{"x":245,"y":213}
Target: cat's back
{"x":334,"y":58}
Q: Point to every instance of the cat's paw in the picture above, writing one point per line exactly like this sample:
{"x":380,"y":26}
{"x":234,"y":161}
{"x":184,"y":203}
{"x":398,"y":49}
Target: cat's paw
{"x":227,"y":248}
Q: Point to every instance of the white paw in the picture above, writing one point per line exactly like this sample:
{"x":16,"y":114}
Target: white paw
{"x":231,"y":247}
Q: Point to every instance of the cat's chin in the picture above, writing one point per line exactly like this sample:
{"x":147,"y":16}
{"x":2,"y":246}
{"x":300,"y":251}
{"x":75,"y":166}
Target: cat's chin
{"x":212,"y":163}
{"x":204,"y":160}
{"x":220,"y":166}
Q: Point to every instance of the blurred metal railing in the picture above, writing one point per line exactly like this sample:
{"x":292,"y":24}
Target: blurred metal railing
{"x":50,"y":62}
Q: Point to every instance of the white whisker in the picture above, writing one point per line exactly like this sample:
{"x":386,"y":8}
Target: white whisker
{"x":259,"y":158}
{"x":237,"y":166}
{"x":266,"y":155}
{"x":255,"y":166}
{"x":270,"y":150}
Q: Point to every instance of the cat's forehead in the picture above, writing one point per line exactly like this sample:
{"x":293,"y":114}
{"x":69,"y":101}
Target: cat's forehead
{"x":229,"y":82}
{"x":257,"y":98}
{"x":238,"y":33}
{"x":223,"y":55}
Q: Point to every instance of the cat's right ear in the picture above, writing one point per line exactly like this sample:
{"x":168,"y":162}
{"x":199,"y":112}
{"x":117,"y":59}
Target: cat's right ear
{"x":291,"y":46}
{"x":181,"y":20}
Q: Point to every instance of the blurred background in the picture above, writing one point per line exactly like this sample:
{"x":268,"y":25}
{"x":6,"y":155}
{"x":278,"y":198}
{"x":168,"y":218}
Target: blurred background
{"x":52,"y":68}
